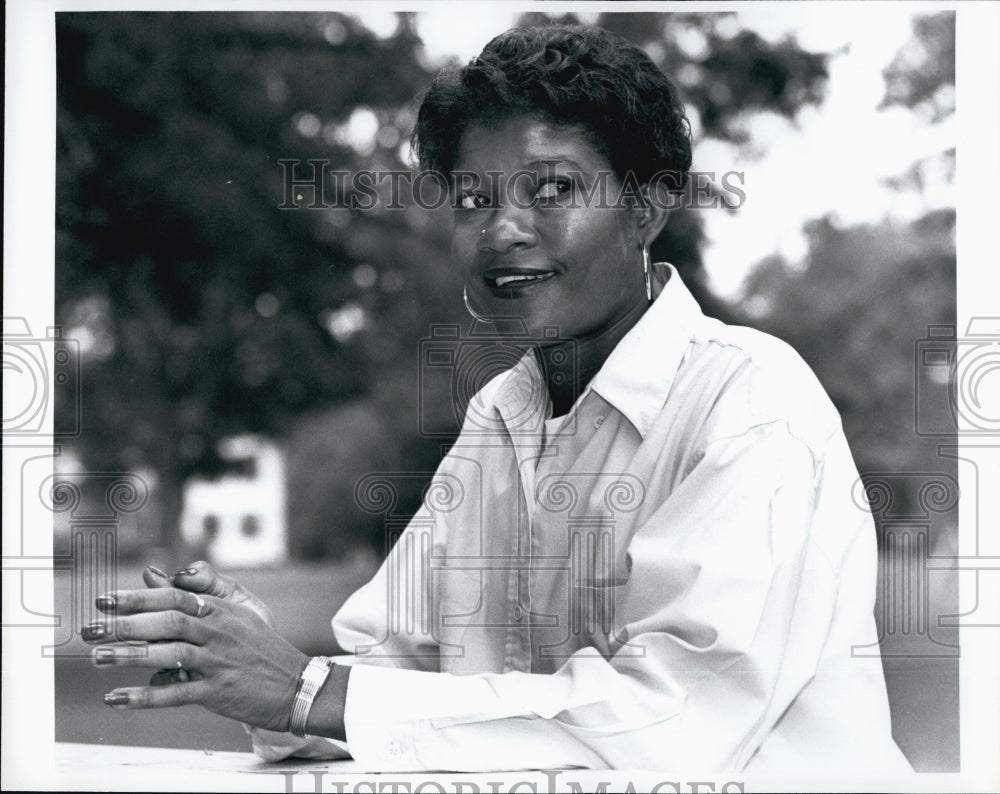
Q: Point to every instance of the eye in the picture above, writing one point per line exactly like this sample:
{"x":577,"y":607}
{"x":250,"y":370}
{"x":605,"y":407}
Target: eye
{"x":473,"y":201}
{"x":552,"y":189}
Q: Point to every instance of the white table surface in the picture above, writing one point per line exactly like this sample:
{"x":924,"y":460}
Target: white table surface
{"x":103,"y":767}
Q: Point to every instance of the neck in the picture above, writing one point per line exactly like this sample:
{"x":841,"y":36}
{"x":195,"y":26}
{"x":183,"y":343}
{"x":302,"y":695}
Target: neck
{"x":569,"y":366}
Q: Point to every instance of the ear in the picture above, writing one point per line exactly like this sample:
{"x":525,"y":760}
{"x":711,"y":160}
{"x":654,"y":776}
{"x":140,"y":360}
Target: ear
{"x":658,"y":203}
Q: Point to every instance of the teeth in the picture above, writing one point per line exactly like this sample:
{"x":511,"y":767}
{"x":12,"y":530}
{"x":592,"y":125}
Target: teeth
{"x":502,"y":281}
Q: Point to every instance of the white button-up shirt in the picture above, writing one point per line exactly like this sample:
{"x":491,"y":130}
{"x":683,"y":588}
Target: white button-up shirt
{"x":672,"y":576}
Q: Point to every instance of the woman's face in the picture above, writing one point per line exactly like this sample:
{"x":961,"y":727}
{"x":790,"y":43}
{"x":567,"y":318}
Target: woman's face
{"x":533,"y":235}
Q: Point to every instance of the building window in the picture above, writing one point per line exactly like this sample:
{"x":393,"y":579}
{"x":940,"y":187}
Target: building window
{"x":250,"y":526}
{"x":210,"y":526}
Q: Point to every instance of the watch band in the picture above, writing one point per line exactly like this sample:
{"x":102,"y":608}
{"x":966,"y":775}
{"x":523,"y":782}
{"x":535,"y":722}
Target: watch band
{"x":310,"y":683}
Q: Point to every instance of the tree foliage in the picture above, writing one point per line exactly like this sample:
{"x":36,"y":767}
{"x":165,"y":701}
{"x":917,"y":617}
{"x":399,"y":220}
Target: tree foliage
{"x":211,"y":304}
{"x":856,"y":310}
{"x":922,"y":75}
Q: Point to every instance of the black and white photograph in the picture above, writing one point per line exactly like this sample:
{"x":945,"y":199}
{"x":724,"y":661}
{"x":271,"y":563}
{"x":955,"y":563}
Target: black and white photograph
{"x":501,"y":397}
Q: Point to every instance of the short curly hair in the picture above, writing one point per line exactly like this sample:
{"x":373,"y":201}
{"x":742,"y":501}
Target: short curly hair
{"x":576,"y":75}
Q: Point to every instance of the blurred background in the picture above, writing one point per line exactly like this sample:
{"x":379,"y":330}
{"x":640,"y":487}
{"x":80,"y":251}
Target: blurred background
{"x":248,"y":364}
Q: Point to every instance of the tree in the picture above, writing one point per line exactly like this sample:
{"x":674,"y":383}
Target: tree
{"x":855,"y":309}
{"x":922,"y":75}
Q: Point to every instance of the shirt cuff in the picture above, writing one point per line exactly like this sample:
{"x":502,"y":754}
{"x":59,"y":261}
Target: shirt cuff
{"x":397,"y":719}
{"x":272,"y":746}
{"x":388,"y":710}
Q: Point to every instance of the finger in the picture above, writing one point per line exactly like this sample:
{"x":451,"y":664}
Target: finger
{"x":155,"y":697}
{"x":160,"y":655}
{"x":154,"y":577}
{"x":201,"y":577}
{"x":132,"y":602}
{"x":149,"y":627}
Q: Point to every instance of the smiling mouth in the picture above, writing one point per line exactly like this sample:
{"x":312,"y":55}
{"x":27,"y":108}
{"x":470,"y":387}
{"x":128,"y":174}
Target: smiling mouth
{"x":503,"y":281}
{"x":509,"y":285}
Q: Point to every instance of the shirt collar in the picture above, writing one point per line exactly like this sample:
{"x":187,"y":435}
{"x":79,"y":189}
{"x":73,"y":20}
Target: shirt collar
{"x":638,"y":374}
{"x":522,"y":400}
{"x":635,"y":379}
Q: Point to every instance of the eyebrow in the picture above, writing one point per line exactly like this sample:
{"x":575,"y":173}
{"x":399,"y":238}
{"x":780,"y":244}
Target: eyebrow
{"x":558,"y":159}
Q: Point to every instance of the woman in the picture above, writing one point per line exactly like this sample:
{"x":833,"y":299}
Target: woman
{"x":641,"y":551}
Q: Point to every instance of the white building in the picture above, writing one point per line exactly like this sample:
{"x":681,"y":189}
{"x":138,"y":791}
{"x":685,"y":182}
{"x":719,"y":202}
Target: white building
{"x":239,"y":519}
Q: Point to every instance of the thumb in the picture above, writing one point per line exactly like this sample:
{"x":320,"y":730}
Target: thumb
{"x":154,"y":578}
{"x":201,"y":577}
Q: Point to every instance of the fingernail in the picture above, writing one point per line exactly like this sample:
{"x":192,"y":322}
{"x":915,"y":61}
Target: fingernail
{"x":186,"y":572}
{"x":105,"y":603}
{"x":104,"y":656}
{"x":157,"y":571}
{"x":116,"y":699}
{"x":93,"y":631}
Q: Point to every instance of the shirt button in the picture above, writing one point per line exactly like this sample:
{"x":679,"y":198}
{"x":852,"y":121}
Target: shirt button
{"x":518,"y":612}
{"x":393,"y":750}
{"x":599,"y":421}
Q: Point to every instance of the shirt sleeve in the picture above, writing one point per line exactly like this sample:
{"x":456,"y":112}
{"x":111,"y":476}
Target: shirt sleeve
{"x":719,"y":627}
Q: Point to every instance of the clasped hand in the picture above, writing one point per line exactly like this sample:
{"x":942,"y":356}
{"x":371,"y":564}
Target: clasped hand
{"x":212,"y":642}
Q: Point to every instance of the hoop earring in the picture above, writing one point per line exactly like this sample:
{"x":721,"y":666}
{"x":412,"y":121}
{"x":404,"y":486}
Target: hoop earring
{"x":645,"y":273}
{"x":468,"y":307}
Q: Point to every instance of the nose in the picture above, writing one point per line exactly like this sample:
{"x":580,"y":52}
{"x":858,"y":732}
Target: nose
{"x":507,"y":228}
